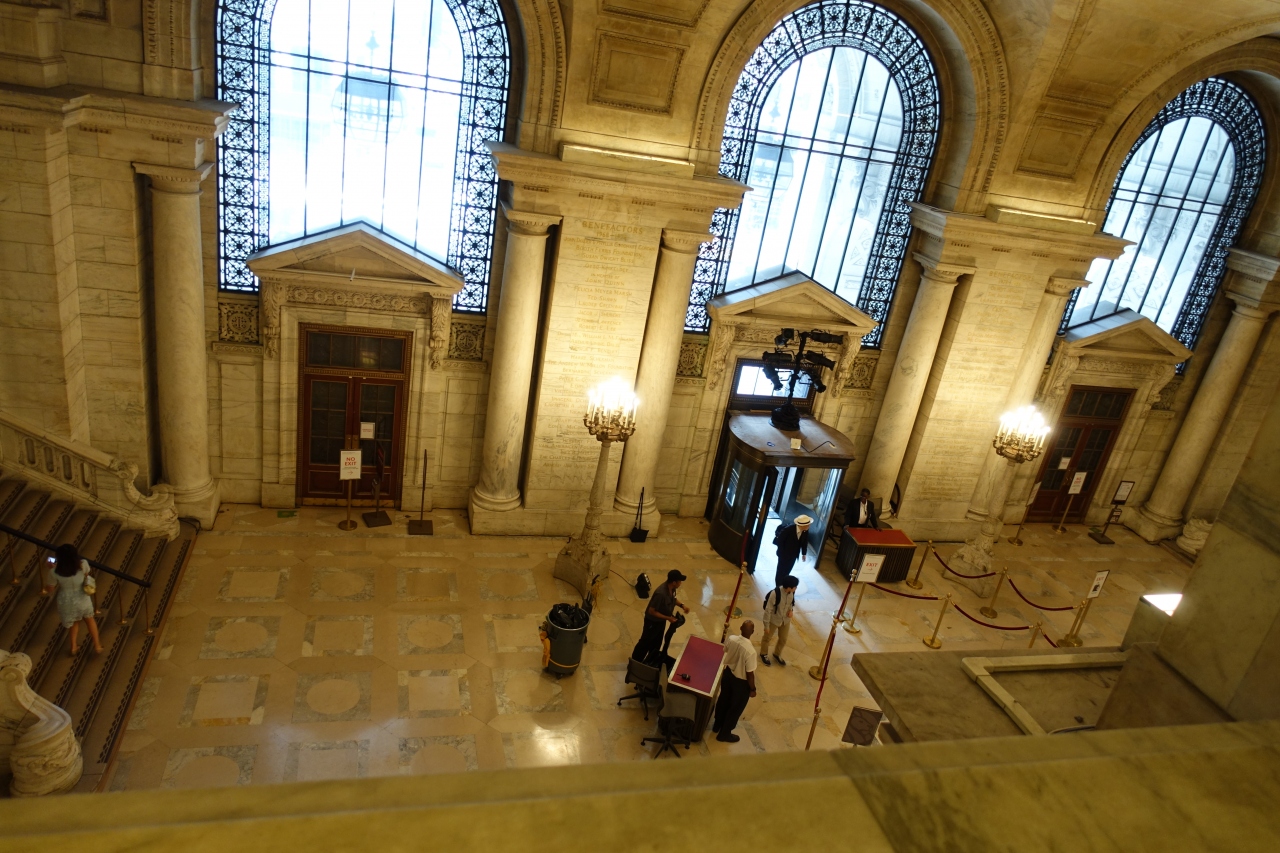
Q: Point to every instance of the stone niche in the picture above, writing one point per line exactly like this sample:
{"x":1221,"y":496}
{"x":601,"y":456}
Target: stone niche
{"x":352,"y":276}
{"x":743,"y":325}
{"x":1125,"y":350}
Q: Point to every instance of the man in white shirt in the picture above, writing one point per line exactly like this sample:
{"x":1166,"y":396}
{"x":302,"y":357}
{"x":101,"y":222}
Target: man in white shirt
{"x":737,"y":683}
{"x":778,"y":605}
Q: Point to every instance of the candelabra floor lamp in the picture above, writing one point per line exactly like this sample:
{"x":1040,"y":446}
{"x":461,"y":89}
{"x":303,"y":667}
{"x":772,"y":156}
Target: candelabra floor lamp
{"x":610,"y":417}
{"x":1019,"y":439}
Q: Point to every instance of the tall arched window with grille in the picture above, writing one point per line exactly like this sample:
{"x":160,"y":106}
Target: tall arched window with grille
{"x":833,"y":123}
{"x":372,"y":111}
{"x":1182,"y":195}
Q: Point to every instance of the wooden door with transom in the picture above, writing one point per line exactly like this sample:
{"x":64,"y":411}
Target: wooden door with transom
{"x":1084,"y":437}
{"x":348,"y":377}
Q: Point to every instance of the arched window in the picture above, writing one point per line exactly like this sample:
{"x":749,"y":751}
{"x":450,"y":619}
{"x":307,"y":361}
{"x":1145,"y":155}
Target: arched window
{"x":1182,"y":196}
{"x":833,"y":124}
{"x":362,"y":110}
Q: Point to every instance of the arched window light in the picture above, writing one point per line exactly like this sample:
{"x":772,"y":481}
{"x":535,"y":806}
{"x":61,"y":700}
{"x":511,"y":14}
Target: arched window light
{"x":1182,"y":196}
{"x":362,"y":110}
{"x":833,"y":124}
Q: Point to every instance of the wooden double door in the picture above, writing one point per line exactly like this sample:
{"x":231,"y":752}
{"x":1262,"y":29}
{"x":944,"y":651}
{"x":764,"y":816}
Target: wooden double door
{"x":1080,"y":443}
{"x":348,"y":378}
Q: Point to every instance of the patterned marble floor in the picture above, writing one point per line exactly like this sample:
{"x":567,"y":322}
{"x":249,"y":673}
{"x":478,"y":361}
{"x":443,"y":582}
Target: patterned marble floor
{"x":295,"y":651}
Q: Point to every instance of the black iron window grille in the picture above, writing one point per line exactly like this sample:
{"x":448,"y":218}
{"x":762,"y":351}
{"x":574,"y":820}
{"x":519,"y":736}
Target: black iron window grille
{"x":833,"y":123}
{"x":1182,"y":195}
{"x":375,"y":111}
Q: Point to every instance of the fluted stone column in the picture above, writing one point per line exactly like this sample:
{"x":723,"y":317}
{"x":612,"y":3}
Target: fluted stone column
{"x":1161,"y":516}
{"x":512,"y":368}
{"x":181,"y":354}
{"x":656,"y":375}
{"x":910,"y":373}
{"x":1044,"y":328}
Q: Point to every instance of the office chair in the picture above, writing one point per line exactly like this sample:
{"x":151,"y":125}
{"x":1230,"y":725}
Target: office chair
{"x":675,"y":723}
{"x":646,"y":679}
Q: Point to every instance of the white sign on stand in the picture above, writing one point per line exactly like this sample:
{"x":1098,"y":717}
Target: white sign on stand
{"x":1077,"y":483}
{"x":366,"y":429}
{"x":1098,"y":580}
{"x":349,"y":465}
{"x":1122,"y":491}
{"x":869,"y":568}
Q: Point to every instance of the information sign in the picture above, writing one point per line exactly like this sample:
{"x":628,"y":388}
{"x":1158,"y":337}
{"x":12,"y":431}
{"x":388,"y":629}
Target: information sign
{"x":366,"y":429}
{"x":869,"y":568}
{"x":1098,"y":580}
{"x":1122,"y":491}
{"x":349,"y":465}
{"x":1077,"y":483}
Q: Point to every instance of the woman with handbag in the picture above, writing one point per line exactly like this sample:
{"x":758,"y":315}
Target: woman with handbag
{"x":69,"y":574}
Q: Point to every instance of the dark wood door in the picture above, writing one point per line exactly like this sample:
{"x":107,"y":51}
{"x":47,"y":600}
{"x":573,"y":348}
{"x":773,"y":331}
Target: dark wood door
{"x":346,"y":380}
{"x":1081,"y":442}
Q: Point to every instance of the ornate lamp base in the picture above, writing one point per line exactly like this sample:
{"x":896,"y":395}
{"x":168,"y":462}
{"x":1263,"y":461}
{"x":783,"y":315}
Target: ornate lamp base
{"x":577,"y":565}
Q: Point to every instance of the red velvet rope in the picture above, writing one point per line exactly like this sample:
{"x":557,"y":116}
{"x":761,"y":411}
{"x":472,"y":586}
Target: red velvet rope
{"x":958,"y":574}
{"x":1032,"y":603}
{"x":1050,"y":639}
{"x":988,"y":624}
{"x":904,"y":594}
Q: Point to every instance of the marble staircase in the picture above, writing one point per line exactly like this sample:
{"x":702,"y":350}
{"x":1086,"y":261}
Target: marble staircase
{"x":96,"y":690}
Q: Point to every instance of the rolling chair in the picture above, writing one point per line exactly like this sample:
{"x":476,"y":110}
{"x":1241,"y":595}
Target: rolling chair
{"x":647,"y":681}
{"x":675,"y":723}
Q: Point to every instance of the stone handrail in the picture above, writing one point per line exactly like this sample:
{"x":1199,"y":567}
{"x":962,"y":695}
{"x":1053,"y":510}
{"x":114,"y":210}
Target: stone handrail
{"x":38,"y":746}
{"x":85,"y":475}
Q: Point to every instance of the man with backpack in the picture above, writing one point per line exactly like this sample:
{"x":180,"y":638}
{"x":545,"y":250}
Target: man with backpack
{"x":778,"y":606}
{"x":792,"y":541}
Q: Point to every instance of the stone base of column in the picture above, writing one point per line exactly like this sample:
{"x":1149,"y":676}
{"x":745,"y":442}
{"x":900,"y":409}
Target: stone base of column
{"x":523,"y":521}
{"x":478,"y":500}
{"x":970,"y":559}
{"x":1151,"y":526}
{"x":578,"y":568}
{"x":199,"y":503}
{"x":975,"y":514}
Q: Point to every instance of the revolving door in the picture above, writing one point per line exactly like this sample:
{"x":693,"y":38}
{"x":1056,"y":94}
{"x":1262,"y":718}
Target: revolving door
{"x":768,"y":477}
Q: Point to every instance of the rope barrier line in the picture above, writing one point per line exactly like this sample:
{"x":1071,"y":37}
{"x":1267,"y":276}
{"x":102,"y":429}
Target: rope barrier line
{"x":1033,"y":604}
{"x":1050,"y":640}
{"x":960,"y":610}
{"x":904,"y":594}
{"x":958,"y":574}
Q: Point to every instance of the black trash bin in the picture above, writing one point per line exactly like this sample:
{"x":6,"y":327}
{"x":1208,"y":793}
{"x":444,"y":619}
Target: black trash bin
{"x":566,"y":630}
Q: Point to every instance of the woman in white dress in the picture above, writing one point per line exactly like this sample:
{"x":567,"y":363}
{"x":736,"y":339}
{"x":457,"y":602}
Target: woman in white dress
{"x":68,"y":575}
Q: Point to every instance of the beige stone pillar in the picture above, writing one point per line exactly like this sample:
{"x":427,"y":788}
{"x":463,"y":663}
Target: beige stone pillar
{"x":181,"y":352}
{"x":512,"y":368}
{"x":1035,"y":353}
{"x":656,"y":375}
{"x":1161,"y":516}
{"x":910,"y":373}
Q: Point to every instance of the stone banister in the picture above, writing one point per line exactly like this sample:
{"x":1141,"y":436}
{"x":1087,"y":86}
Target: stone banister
{"x":85,"y":475}
{"x":38,"y":746}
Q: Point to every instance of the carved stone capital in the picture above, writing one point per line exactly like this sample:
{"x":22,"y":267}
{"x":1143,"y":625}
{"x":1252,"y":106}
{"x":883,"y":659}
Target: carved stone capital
{"x":173,"y":179}
{"x":940,"y":272}
{"x":441,"y":315}
{"x":529,"y":224}
{"x":684,"y":242}
{"x":1060,"y":286}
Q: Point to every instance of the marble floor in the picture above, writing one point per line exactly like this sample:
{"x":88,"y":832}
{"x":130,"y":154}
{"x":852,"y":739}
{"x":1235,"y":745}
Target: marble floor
{"x":295,"y":651}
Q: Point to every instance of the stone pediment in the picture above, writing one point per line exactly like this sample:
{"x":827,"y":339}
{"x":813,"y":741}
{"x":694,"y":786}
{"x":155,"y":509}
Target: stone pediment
{"x":1126,"y":335}
{"x":793,"y":300}
{"x":355,"y":253}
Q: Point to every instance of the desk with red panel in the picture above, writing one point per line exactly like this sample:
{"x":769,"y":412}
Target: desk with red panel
{"x":697,"y":671}
{"x":894,"y":544}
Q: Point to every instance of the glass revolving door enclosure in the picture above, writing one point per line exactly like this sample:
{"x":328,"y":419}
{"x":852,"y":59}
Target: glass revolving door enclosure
{"x":764,"y":481}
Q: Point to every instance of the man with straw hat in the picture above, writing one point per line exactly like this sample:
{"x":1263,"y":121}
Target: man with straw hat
{"x":792,"y":541}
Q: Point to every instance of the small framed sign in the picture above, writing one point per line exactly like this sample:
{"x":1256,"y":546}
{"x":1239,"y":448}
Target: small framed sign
{"x":349,"y":464}
{"x":1122,"y":491}
{"x":1035,"y":491}
{"x":1064,"y":463}
{"x":1115,"y":515}
{"x":869,"y":568}
{"x":366,"y":429}
{"x":1098,"y":580}
{"x":1077,"y":483}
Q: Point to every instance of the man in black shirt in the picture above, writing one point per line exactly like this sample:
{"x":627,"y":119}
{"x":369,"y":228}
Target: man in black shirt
{"x":862,"y":512}
{"x":659,"y":614}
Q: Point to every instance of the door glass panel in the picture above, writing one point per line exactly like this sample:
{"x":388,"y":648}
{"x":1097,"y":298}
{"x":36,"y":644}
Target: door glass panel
{"x":1095,"y":444}
{"x":1064,"y":446}
{"x":359,"y":351}
{"x":378,"y":404}
{"x":737,"y":496}
{"x":328,"y":421}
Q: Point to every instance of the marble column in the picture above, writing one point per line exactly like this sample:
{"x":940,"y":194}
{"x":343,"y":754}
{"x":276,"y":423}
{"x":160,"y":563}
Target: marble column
{"x":1035,"y":354}
{"x":511,"y":371}
{"x":182,"y":360}
{"x":656,"y":375}
{"x":910,"y":373}
{"x":1161,"y":516}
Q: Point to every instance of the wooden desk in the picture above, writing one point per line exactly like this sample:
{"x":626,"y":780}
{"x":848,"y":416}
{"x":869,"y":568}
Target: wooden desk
{"x":894,"y":544}
{"x":703,"y":661}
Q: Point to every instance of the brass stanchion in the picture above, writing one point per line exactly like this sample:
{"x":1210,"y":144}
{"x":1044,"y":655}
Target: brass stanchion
{"x":1062,"y":525}
{"x":848,"y":623}
{"x":348,"y":524}
{"x":146,"y":612}
{"x":728,"y":611}
{"x":914,"y":583}
{"x":933,"y":642}
{"x":124,"y":620}
{"x":819,"y":673}
{"x":1035,"y":632}
{"x":1016,"y":538}
{"x":989,"y":609}
{"x":1072,"y":638}
{"x":12,"y":569}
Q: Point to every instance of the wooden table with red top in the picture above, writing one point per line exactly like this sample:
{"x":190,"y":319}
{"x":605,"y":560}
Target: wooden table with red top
{"x":702,"y":661}
{"x":894,"y":544}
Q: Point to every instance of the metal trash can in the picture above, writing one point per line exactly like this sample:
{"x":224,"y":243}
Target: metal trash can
{"x":565,"y":634}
